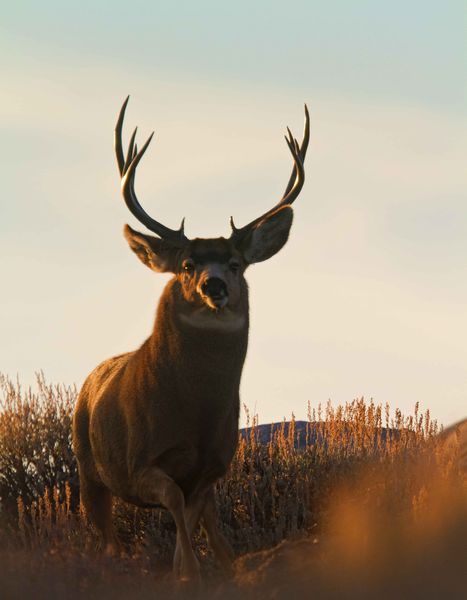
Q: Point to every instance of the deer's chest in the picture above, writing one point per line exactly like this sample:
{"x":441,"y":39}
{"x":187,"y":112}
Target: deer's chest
{"x":199,"y":457}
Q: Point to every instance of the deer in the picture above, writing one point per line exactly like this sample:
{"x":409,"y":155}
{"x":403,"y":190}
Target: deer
{"x":158,"y":426}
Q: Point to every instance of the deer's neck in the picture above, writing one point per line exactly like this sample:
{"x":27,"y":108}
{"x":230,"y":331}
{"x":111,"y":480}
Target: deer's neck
{"x":196,"y":341}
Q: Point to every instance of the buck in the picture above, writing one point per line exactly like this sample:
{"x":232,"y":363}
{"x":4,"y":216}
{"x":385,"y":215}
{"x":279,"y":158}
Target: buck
{"x":159,"y":425}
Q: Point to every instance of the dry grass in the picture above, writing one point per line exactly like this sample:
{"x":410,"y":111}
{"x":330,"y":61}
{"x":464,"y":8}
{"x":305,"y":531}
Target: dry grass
{"x":376,"y":506}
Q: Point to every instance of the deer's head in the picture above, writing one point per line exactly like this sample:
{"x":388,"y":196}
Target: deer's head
{"x":210,"y":272}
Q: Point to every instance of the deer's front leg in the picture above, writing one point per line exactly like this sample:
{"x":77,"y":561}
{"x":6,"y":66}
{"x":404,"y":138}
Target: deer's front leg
{"x":193,"y":510}
{"x":153,"y":486}
{"x":220,"y":546}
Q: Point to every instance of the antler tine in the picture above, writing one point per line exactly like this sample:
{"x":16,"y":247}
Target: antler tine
{"x":296,"y":181}
{"x":131,"y":152}
{"x":118,"y":137}
{"x":303,"y":148}
{"x":127,"y":168}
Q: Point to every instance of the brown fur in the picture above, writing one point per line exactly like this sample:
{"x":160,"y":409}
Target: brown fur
{"x":159,"y":426}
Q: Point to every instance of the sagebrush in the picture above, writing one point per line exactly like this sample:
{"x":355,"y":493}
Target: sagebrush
{"x":283,"y":490}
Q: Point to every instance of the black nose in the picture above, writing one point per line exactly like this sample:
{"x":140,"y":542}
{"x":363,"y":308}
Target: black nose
{"x":214,"y":287}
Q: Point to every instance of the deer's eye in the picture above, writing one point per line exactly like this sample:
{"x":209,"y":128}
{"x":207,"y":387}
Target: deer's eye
{"x":188,"y":266}
{"x":234,"y":266}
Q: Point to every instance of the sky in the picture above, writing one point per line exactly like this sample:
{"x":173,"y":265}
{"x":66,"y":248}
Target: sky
{"x":368,"y":297}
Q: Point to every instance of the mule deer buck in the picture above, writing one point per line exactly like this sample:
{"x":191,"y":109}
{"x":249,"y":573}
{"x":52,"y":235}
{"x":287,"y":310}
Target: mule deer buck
{"x":159,"y":425}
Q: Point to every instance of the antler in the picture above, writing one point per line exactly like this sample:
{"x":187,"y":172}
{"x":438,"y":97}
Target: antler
{"x":296,"y":181}
{"x":127,"y":167}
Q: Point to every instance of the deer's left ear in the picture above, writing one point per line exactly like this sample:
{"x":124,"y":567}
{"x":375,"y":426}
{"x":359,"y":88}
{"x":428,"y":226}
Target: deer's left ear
{"x":268,"y":236}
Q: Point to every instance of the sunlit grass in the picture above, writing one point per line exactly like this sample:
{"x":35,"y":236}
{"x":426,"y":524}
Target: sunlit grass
{"x":367,"y":494}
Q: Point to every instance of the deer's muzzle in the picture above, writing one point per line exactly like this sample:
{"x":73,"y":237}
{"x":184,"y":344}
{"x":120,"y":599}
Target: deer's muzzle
{"x":214,"y":289}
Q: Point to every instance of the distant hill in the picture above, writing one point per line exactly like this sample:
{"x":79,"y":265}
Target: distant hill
{"x":308,"y":433}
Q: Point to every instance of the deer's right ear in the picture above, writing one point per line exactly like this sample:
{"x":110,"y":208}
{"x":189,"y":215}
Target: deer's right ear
{"x":155,"y":253}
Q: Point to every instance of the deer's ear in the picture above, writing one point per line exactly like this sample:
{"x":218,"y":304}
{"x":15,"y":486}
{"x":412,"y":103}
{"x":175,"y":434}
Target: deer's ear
{"x":155,"y":253}
{"x":268,"y":237}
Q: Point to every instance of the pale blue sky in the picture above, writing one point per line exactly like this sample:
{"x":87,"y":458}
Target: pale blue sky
{"x":395,"y":50}
{"x":368,"y":298}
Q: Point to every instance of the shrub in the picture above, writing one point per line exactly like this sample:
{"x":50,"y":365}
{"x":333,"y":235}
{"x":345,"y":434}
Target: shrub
{"x":36,"y":456}
{"x":377,"y":489}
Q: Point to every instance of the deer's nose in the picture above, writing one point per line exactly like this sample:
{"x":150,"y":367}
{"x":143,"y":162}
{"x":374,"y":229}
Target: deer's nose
{"x":214,"y":287}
